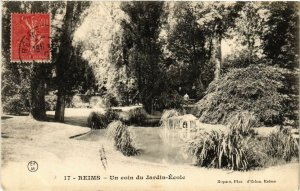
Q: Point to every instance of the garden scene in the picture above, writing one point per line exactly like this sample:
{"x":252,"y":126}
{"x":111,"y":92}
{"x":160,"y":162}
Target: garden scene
{"x":208,"y":91}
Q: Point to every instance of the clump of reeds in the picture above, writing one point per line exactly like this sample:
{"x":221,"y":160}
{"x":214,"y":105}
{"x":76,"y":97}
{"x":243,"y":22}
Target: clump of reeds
{"x":122,"y":138}
{"x":282,"y":145}
{"x":217,"y":149}
{"x":242,"y":123}
{"x":234,"y":149}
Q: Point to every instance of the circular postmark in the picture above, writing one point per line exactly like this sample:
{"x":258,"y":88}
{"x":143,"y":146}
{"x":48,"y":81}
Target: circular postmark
{"x":32,"y":166}
{"x":30,"y":37}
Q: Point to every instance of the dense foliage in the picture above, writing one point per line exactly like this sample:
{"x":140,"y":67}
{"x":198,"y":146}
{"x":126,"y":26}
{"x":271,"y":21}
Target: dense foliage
{"x":155,"y":52}
{"x":143,"y":50}
{"x":98,"y":120}
{"x":281,"y":39}
{"x":257,"y":88}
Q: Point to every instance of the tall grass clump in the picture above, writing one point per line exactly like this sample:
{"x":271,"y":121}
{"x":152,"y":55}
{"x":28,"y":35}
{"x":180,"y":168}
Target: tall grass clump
{"x":235,"y":149}
{"x":122,"y":138}
{"x":217,"y":149}
{"x":282,"y":145}
{"x":241,"y":124}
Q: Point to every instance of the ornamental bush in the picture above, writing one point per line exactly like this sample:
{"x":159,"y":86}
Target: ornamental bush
{"x":258,"y":89}
{"x":97,"y":120}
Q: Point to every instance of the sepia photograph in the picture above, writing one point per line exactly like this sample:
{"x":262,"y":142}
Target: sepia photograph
{"x":149,"y":95}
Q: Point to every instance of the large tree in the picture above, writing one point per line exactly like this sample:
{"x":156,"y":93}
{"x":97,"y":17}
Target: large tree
{"x":281,"y":46}
{"x":217,"y":18}
{"x":249,"y":27}
{"x":143,"y":50}
{"x":65,"y":58}
{"x":104,"y":50}
{"x":246,"y":36}
{"x":281,"y":38}
{"x":186,"y":51}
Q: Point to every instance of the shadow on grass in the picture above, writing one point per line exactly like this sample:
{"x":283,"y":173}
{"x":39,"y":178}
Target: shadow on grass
{"x":72,"y":120}
{"x":5,"y":117}
{"x":3,"y":135}
{"x":11,"y":115}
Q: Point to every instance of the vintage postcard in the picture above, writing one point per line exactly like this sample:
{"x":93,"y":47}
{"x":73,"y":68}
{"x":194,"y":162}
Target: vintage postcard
{"x":149,"y":95}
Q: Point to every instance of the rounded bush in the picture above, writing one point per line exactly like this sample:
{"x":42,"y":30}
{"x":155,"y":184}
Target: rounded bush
{"x":97,"y":120}
{"x":256,"y":88}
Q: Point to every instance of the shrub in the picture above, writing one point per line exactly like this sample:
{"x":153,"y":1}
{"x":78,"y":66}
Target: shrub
{"x":110,"y":100}
{"x":256,"y":88}
{"x":122,"y":138}
{"x":282,"y":145}
{"x":124,"y":116}
{"x":15,"y":105}
{"x":168,"y":99}
{"x":97,"y":120}
{"x":137,"y":115}
{"x":239,"y":149}
{"x":166,"y":115}
{"x":112,"y":114}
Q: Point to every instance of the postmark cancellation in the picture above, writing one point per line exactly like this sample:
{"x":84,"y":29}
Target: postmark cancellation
{"x":30,"y":37}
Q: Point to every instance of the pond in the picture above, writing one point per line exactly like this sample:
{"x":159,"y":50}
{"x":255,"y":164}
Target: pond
{"x":150,"y":142}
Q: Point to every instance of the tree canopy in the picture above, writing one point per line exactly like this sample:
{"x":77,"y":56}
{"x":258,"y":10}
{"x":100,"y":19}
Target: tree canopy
{"x":156,"y":52}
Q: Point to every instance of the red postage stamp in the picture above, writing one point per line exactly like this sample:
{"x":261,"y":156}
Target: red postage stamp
{"x":30,"y":37}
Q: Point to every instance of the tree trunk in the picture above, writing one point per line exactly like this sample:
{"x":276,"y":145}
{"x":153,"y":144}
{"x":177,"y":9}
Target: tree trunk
{"x":60,"y":107}
{"x":63,"y":62}
{"x":200,"y":88}
{"x":216,"y":57}
{"x":37,"y":106}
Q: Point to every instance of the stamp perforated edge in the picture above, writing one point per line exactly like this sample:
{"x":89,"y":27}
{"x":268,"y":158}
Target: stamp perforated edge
{"x":43,"y":61}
